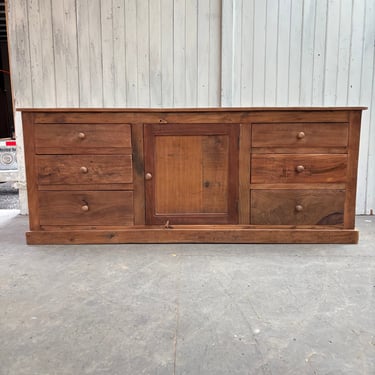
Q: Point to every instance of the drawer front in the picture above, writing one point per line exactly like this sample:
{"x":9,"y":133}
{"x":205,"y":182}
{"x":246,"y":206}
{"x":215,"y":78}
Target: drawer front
{"x":280,"y":168}
{"x":84,"y":169}
{"x":297,"y":207}
{"x":300,"y":135}
{"x":80,"y":138}
{"x":86,"y":208}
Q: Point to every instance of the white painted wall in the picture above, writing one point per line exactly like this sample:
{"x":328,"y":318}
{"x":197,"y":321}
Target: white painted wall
{"x":115,"y":53}
{"x":190,"y":53}
{"x":112,"y":53}
{"x":304,"y":53}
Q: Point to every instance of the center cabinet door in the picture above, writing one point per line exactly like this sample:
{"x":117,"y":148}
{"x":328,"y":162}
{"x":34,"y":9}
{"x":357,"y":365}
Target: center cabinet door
{"x":191,"y":173}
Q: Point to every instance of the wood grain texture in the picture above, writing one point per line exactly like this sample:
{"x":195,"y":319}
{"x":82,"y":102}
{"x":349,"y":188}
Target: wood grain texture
{"x":282,"y":63}
{"x":107,"y":38}
{"x":319,"y":58}
{"x":295,"y":52}
{"x":138,"y":173}
{"x":299,"y":150}
{"x":143,"y":52}
{"x":297,"y":207}
{"x":255,"y":30}
{"x":103,"y":207}
{"x":351,"y":177}
{"x":119,"y":53}
{"x":286,"y":134}
{"x":155,"y":53}
{"x":74,"y":138}
{"x":203,"y":53}
{"x":321,"y":110}
{"x":19,"y":51}
{"x":192,"y":115}
{"x":166,"y":47}
{"x":178,"y":53}
{"x":66,"y":70}
{"x":244,"y":174}
{"x":41,"y":44}
{"x":191,"y":174}
{"x":89,"y":51}
{"x":130,"y":86}
{"x":291,"y":168}
{"x":305,"y":186}
{"x":195,"y":173}
{"x":94,"y":61}
{"x":83,"y":169}
{"x":192,"y":235}
{"x":203,"y":168}
{"x":97,"y":187}
{"x":31,"y":175}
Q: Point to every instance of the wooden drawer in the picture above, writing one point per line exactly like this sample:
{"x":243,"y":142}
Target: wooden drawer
{"x":84,"y":169}
{"x":300,"y":135}
{"x":86,"y":208}
{"x":285,"y":168}
{"x":297,"y":207}
{"x":82,"y":138}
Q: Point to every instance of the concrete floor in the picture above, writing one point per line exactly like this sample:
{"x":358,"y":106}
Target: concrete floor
{"x":186,"y":309}
{"x":9,"y":198}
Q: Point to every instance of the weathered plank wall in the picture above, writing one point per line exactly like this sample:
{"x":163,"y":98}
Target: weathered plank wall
{"x":304,"y":53}
{"x":115,"y":53}
{"x":176,"y":53}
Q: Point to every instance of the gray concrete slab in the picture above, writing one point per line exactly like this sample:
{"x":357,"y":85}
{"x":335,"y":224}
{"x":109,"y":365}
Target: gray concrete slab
{"x":9,"y":195}
{"x":186,"y":309}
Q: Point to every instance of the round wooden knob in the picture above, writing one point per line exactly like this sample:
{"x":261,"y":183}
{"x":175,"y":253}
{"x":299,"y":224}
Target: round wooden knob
{"x":148,"y":176}
{"x":85,"y":208}
{"x":299,"y":208}
{"x":83,"y":169}
{"x":81,"y":135}
{"x":300,"y":168}
{"x":301,"y":135}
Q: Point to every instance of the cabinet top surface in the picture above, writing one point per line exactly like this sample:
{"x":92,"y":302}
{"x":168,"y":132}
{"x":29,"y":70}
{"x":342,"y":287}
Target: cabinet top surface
{"x":190,"y":110}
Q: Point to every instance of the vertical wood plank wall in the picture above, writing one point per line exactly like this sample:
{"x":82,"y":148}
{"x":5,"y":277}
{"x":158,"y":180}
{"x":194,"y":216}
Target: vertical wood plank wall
{"x":304,"y":53}
{"x":192,"y":53}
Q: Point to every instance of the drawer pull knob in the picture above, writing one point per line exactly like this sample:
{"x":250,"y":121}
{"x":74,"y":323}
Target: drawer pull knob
{"x":81,"y":135}
{"x":301,"y":135}
{"x":299,"y":208}
{"x":84,"y":169}
{"x":85,"y":207}
{"x":300,"y":168}
{"x":148,"y":176}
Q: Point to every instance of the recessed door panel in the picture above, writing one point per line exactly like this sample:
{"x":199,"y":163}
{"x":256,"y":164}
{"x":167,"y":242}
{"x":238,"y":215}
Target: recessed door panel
{"x":191,"y":173}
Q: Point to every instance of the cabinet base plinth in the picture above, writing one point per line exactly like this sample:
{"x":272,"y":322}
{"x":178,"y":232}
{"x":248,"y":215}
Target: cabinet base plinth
{"x":193,"y":235}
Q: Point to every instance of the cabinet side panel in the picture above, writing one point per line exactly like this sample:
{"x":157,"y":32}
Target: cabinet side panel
{"x":353,"y":150}
{"x":148,"y":144}
{"x":32,"y":189}
{"x":215,"y":173}
{"x":244,"y":174}
{"x":233,"y":192}
{"x":138,"y":173}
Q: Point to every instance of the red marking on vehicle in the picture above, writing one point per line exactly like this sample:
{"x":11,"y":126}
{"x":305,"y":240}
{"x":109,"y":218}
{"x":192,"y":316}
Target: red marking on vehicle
{"x":10,"y":143}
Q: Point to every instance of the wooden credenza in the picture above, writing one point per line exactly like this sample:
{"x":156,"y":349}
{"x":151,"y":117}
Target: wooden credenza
{"x":236,"y":175}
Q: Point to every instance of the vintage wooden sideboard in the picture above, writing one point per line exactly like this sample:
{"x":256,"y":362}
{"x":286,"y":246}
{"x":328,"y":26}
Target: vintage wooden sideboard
{"x":236,"y":175}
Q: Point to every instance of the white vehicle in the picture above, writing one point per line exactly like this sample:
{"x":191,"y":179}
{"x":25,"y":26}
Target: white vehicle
{"x":8,"y":156}
{"x":8,"y":160}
